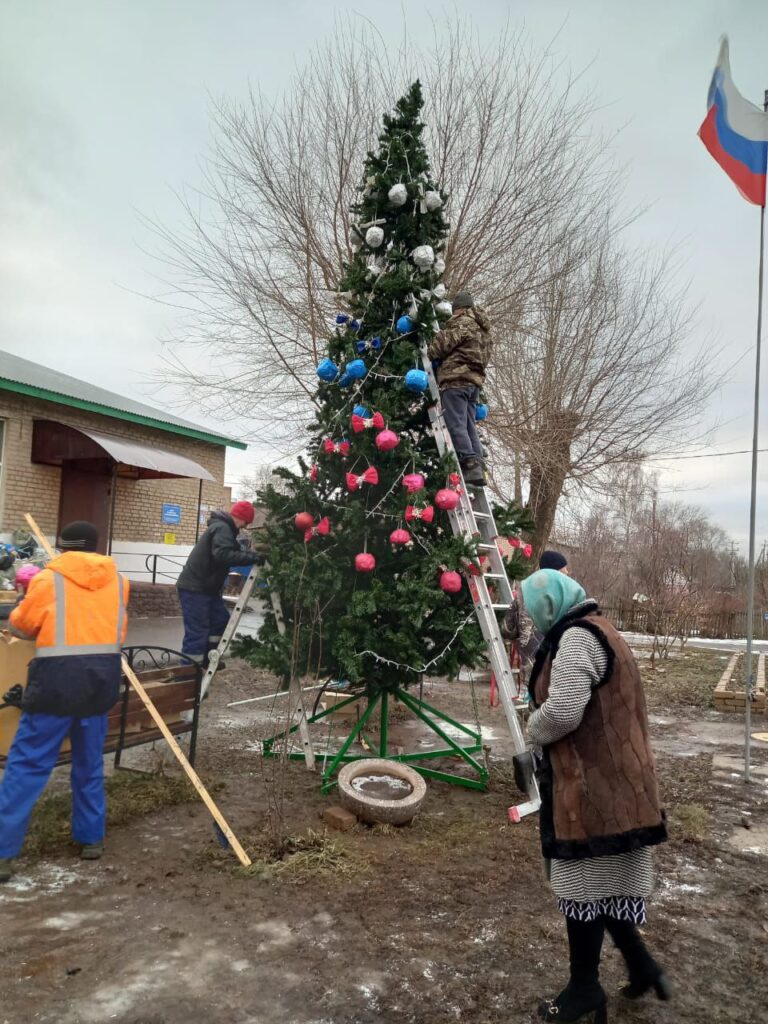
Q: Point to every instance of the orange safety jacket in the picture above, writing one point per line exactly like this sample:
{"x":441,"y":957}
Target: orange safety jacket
{"x":75,"y":610}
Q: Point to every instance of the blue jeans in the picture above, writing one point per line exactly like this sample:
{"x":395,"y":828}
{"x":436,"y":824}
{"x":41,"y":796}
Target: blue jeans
{"x":205,"y":618}
{"x":459,"y":406}
{"x":31,"y":760}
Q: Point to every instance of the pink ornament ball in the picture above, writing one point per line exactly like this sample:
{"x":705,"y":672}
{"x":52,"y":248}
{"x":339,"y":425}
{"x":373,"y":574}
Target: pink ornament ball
{"x":386,"y":440}
{"x":450,"y":582}
{"x":413,"y":482}
{"x":446,"y":499}
{"x":365,"y":562}
{"x":400,"y":536}
{"x":303,"y":521}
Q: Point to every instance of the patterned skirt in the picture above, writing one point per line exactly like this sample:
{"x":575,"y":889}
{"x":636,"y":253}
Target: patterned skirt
{"x":621,"y":908}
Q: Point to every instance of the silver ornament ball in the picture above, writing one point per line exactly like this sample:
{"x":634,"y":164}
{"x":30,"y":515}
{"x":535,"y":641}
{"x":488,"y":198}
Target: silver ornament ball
{"x":423,"y":256}
{"x":374,"y":237}
{"x":398,"y":194}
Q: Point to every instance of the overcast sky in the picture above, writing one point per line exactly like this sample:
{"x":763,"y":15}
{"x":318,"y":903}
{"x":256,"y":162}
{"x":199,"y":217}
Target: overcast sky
{"x":104,"y":111}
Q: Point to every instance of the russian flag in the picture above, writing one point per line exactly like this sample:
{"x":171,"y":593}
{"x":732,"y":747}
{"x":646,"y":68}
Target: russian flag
{"x":735,"y":132}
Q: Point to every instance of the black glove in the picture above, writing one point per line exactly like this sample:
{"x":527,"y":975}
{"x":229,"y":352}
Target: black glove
{"x":13,"y":697}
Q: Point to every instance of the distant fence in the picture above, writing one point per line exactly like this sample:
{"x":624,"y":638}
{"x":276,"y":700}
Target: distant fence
{"x":632,"y":617}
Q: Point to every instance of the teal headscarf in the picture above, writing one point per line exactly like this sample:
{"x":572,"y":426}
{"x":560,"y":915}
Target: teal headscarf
{"x":548,"y":595}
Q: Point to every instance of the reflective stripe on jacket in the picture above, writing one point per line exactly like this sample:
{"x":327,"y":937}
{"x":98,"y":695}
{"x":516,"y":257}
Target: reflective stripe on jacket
{"x":76,"y":612}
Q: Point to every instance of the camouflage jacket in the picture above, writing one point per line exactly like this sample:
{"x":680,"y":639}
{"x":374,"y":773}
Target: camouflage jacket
{"x":463,"y":349}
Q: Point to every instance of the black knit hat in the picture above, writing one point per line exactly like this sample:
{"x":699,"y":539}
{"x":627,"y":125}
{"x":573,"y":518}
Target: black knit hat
{"x":552,"y":560}
{"x":463,"y":300}
{"x":79,"y":536}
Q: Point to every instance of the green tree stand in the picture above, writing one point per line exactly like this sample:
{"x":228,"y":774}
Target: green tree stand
{"x":434,"y":719}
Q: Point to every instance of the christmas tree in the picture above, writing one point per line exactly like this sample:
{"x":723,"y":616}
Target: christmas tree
{"x":371,"y":580}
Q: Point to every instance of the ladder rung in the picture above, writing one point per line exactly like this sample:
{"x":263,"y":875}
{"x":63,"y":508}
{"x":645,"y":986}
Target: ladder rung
{"x":500,"y":607}
{"x":495,"y":575}
{"x":480,"y":515}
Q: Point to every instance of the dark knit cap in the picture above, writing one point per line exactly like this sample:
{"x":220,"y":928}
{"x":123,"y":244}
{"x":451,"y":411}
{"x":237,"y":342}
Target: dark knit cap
{"x":463,"y":300}
{"x":79,"y":536}
{"x":552,"y":560}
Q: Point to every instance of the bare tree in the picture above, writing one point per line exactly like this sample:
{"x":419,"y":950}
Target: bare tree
{"x":588,"y":367}
{"x":256,"y":270}
{"x":594,"y":374}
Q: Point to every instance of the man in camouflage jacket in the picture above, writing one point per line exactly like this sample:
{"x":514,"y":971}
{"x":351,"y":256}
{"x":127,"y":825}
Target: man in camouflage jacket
{"x":461,"y":352}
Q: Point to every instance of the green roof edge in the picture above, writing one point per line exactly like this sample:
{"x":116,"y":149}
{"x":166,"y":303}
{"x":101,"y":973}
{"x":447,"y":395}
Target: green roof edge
{"x":118,"y":414}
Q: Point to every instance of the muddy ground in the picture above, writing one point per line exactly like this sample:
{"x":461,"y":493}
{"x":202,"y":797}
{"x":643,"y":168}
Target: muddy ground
{"x":448,"y":919}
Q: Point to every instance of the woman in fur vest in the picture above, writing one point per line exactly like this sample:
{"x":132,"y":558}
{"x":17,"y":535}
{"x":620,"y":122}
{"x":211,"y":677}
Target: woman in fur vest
{"x":600,"y":812}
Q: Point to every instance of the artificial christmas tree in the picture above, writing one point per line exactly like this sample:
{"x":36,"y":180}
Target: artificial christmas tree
{"x":378,"y":596}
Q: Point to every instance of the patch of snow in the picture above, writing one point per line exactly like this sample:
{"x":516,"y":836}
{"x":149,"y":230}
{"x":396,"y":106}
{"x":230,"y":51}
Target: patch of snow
{"x":70,"y":919}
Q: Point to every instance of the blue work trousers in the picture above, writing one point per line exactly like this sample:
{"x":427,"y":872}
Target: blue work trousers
{"x":205,"y":618}
{"x":31,"y":760}
{"x":459,"y":409}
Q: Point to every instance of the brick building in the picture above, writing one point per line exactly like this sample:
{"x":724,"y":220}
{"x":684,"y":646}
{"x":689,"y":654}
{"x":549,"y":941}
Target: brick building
{"x":70,"y":450}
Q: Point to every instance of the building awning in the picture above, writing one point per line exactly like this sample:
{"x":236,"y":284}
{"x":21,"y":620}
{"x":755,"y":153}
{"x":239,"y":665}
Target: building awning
{"x":53,"y":443}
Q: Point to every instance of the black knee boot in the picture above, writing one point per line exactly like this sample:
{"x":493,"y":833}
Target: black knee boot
{"x":644,"y":973}
{"x":583,"y":995}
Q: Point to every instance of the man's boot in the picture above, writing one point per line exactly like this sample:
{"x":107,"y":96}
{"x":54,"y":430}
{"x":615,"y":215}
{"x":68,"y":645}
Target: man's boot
{"x":6,"y":869}
{"x":472,"y":470}
{"x":583,"y":997}
{"x":92,"y":851}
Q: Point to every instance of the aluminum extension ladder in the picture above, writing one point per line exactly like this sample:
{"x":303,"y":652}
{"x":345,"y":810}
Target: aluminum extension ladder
{"x":473,"y":518}
{"x":295,"y":699}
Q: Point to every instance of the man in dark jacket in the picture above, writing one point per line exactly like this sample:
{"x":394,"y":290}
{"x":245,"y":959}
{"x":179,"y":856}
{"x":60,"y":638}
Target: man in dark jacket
{"x":462,"y":351}
{"x":203,"y":577}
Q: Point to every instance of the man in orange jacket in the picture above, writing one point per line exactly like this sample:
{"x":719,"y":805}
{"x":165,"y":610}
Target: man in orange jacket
{"x":75,"y":611}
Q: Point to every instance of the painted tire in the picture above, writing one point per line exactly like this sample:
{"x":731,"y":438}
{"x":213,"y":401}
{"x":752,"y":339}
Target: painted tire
{"x":373,"y":809}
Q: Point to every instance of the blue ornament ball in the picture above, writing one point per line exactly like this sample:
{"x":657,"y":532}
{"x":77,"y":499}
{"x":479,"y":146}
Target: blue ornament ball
{"x":345,"y":380}
{"x":404,"y":325}
{"x":362,"y":412}
{"x":416,"y":380}
{"x":481,"y":412}
{"x":361,"y":346}
{"x":354,"y":325}
{"x":341,"y":318}
{"x":355,"y":370}
{"x":327,"y":370}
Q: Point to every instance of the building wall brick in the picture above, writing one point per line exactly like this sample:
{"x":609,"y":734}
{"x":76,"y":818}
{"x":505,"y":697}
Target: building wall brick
{"x":28,"y":487}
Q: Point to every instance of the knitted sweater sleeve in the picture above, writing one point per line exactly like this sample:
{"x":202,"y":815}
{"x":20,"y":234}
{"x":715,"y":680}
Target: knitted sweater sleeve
{"x":578,"y":667}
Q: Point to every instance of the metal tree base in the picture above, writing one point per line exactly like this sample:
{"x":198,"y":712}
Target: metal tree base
{"x":429,"y":715}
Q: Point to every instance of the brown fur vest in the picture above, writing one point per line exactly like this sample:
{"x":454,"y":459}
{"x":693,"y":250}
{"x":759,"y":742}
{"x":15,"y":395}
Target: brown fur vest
{"x":598,"y":783}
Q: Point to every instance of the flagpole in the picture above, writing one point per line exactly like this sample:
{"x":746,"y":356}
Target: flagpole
{"x":749,"y":675}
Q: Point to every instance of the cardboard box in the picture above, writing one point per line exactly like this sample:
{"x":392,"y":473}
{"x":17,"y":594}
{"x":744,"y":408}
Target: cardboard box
{"x":15,"y":656}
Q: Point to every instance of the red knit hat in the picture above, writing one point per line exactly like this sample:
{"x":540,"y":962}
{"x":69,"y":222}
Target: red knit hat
{"x":243,"y":510}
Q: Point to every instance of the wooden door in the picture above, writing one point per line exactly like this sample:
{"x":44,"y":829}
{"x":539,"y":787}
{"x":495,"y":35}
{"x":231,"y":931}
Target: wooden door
{"x":86,"y":494}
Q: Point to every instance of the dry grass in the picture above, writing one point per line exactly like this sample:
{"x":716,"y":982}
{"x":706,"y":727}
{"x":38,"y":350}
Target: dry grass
{"x":129,"y":796}
{"x":299,"y":859}
{"x":685,"y":680}
{"x":690,"y":823}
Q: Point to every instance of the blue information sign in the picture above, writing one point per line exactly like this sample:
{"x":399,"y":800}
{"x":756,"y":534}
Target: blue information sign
{"x":171,"y":514}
